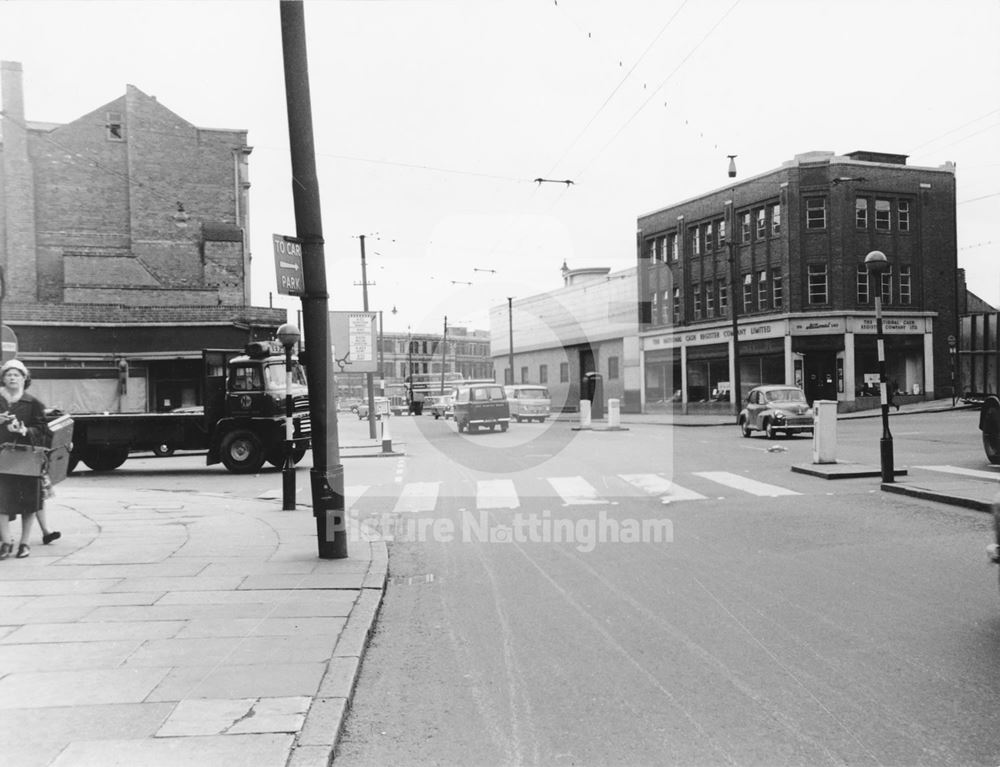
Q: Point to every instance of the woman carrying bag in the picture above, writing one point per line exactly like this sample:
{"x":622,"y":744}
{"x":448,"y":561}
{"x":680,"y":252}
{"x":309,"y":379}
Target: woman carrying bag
{"x":22,"y":422}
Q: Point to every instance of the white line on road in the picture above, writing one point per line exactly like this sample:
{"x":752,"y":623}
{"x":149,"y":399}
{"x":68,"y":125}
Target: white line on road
{"x":496,"y":494}
{"x":417,"y":497}
{"x":745,"y":484}
{"x":654,"y":484}
{"x":575,"y":491}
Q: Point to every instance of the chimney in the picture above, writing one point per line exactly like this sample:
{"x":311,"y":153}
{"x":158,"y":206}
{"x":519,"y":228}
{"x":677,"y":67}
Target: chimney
{"x":17,"y":244}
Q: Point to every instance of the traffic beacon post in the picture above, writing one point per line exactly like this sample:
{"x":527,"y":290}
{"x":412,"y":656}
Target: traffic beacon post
{"x":288,"y":336}
{"x":327,"y":475}
{"x":876,"y":263}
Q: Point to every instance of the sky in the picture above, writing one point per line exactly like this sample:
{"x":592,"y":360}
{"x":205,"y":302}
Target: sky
{"x":432,"y":118}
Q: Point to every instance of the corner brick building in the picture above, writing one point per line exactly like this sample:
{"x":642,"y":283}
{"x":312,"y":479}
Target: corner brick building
{"x":124,"y":246}
{"x":805,"y":309}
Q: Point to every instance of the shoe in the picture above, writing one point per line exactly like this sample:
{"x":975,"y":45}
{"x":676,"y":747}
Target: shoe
{"x":6,"y":549}
{"x":23,"y":550}
{"x":49,"y":537}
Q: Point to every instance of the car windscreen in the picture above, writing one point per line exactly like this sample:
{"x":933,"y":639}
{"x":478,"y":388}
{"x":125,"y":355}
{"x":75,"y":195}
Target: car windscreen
{"x":538,"y":393}
{"x":786,"y":395}
{"x":486,"y":393}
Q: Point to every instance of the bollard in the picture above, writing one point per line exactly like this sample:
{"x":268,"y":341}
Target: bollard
{"x":585,"y":414}
{"x":614,"y":414}
{"x":386,"y":436}
{"x":824,"y":431}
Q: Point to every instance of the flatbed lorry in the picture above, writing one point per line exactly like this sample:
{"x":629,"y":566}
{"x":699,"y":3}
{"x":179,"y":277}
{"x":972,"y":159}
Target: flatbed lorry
{"x":241,"y":423}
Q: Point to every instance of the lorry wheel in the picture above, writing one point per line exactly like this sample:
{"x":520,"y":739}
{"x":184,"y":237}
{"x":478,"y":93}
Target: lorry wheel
{"x":503,"y":427}
{"x":104,"y":458}
{"x":989,"y":422}
{"x":242,"y":452}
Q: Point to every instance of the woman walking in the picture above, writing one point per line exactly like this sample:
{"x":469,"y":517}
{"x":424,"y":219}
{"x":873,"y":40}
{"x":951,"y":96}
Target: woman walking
{"x":22,"y":422}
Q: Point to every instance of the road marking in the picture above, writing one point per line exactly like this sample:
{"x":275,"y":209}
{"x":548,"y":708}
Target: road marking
{"x":994,"y":475}
{"x":417,"y":497}
{"x":352,"y":493}
{"x":745,"y":484}
{"x":496,"y":494}
{"x":575,"y":491}
{"x":655,"y":484}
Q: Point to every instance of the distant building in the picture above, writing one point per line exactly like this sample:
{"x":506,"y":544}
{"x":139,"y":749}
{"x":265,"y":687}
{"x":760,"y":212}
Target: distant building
{"x":580,"y":340}
{"x":124,"y":244}
{"x":805,"y":309}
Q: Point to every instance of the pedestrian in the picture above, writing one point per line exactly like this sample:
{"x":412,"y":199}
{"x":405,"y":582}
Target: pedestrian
{"x":22,"y":422}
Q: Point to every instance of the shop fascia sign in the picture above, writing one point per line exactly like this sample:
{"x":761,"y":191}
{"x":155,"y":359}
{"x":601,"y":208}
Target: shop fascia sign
{"x":715,"y":335}
{"x":890,"y":325}
{"x":819,"y":326}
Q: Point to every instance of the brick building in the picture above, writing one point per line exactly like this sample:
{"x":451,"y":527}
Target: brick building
{"x":124,"y":244}
{"x":805,"y":309}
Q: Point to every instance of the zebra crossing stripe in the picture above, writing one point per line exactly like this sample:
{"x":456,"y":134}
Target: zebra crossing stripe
{"x":496,"y":494}
{"x":745,"y":484}
{"x":655,"y":484}
{"x":352,"y":493}
{"x":965,"y":472}
{"x":417,"y":497}
{"x":575,"y":491}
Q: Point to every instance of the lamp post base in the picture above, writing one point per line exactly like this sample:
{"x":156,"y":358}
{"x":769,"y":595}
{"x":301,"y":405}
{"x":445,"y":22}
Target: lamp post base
{"x":885,"y":450}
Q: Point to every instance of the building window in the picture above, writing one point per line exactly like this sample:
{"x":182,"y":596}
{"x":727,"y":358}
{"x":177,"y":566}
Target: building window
{"x":524,"y":375}
{"x":709,"y":299}
{"x":696,"y":297}
{"x":817,"y":284}
{"x":883,"y":213}
{"x":904,"y":285}
{"x":563,"y":372}
{"x":775,"y":220}
{"x":745,"y":226}
{"x":612,"y":367}
{"x":761,"y":223}
{"x":664,"y":308}
{"x":672,"y":245}
{"x":115,"y":127}
{"x":861,"y":212}
{"x":747,"y":293}
{"x":777,"y":288}
{"x":695,"y":242}
{"x":709,"y":238}
{"x":723,"y":299}
{"x":543,"y":374}
{"x":762,"y":290}
{"x":654,"y":308}
{"x":815,"y":213}
{"x":722,"y":231}
{"x":863,"y":297}
{"x":903,"y":215}
{"x":887,"y":286}
{"x":677,"y":306}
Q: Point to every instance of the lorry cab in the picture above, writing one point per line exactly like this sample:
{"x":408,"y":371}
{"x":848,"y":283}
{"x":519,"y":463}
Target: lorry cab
{"x":528,"y":402}
{"x":481,"y":405}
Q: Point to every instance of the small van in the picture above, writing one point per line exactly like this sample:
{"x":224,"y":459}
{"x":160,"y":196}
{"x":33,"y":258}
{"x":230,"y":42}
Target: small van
{"x":528,"y":402}
{"x":481,"y":405}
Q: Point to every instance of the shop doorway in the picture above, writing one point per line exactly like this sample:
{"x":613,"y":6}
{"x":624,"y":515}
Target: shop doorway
{"x":820,"y":369}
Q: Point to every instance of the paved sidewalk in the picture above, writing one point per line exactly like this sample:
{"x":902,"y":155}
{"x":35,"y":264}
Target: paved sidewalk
{"x":180,"y":629}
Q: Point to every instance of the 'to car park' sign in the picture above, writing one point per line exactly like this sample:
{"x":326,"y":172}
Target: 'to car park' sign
{"x":288,"y":265}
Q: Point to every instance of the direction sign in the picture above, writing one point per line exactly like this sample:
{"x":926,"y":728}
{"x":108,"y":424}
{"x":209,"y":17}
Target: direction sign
{"x":288,"y":265}
{"x":8,"y":344}
{"x":354,"y":336}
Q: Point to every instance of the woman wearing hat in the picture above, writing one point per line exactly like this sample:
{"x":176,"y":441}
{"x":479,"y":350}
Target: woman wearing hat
{"x":22,"y":422}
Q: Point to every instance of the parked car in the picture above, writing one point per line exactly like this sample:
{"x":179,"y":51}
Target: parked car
{"x":481,"y":405}
{"x":528,"y":402}
{"x":776,"y":408}
{"x":440,"y":406}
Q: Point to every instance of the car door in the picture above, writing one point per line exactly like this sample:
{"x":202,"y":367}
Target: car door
{"x":755,"y":405}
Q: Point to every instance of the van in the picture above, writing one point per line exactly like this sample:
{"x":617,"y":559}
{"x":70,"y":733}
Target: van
{"x":481,"y":405}
{"x":528,"y":402}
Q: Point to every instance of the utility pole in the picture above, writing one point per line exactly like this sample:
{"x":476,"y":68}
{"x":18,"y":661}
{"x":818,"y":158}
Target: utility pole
{"x":510,"y":336}
{"x":444,"y":351}
{"x":327,"y":474}
{"x":369,"y":379}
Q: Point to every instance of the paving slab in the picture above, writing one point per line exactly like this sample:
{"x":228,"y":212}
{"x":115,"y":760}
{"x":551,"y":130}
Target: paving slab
{"x":210,"y":751}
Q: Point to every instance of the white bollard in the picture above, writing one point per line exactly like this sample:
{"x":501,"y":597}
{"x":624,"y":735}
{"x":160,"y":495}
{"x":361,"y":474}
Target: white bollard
{"x":386,"y":436}
{"x":585,"y":414}
{"x":614,"y":414}
{"x":824,"y":431}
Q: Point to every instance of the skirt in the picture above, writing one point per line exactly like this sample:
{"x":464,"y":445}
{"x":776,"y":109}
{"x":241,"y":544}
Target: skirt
{"x":20,"y":495}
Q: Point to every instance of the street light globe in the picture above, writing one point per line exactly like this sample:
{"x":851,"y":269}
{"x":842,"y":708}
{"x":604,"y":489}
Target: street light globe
{"x":288,"y":335}
{"x":876,"y":262}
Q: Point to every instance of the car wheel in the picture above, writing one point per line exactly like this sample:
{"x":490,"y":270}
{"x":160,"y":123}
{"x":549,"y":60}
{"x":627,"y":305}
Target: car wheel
{"x":769,"y":430}
{"x":503,"y":427}
{"x":745,"y":429}
{"x":242,"y":452}
{"x":163,"y":450}
{"x":104,"y":458}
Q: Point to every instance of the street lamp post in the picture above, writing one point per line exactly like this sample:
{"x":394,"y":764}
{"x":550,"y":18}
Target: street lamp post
{"x":876,"y":263}
{"x":952,"y":351}
{"x":734,"y":278}
{"x":288,"y":335}
{"x":510,"y":337}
